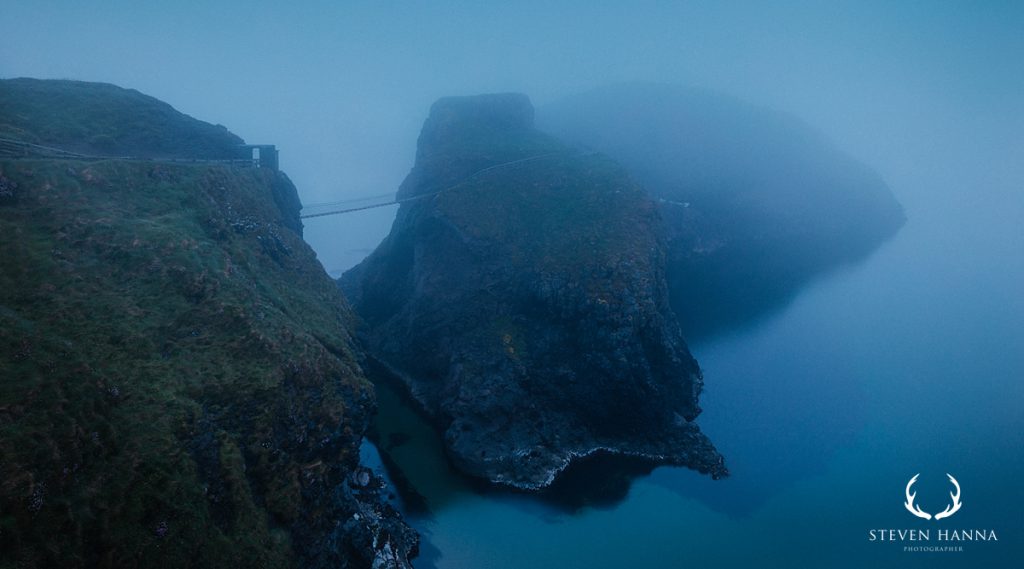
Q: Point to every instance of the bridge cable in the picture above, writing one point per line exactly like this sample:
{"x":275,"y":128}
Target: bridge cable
{"x":421,"y":196}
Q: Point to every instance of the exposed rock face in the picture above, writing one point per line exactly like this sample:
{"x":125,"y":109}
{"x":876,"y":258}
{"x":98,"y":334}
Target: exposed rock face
{"x":755,"y":201}
{"x":286,"y":197}
{"x":180,"y":388}
{"x":523,"y":301}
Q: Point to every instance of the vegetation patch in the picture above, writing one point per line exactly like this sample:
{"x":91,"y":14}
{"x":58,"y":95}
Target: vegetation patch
{"x":178,"y":384}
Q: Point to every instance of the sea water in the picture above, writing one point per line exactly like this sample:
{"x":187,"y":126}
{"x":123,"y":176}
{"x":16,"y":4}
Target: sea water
{"x":909,"y":362}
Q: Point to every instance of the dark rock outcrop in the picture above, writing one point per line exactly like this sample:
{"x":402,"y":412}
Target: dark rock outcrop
{"x":522,"y":298}
{"x":286,"y":197}
{"x":180,"y":388}
{"x":755,"y":202}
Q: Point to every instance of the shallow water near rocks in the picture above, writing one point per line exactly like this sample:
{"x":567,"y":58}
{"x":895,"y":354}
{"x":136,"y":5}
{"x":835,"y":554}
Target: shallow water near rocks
{"x":909,"y":362}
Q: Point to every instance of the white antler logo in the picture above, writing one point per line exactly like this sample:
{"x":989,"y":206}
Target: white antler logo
{"x":952,"y":508}
{"x":917,"y":511}
{"x":910,"y":505}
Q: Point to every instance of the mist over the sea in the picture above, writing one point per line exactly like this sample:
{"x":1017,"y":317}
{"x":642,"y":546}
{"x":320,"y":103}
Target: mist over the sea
{"x":904,"y":359}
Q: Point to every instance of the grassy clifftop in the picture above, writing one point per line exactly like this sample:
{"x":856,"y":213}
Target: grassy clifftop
{"x":106,"y":120}
{"x":178,"y":384}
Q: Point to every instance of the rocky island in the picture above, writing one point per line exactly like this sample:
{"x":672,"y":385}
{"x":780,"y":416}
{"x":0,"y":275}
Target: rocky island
{"x":521,"y":296}
{"x":756,"y":202}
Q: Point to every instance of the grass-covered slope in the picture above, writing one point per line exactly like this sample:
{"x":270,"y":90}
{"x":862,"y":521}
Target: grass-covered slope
{"x":106,"y":120}
{"x":177,"y":383}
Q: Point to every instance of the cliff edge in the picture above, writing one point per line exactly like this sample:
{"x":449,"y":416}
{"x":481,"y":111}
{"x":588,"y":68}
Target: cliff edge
{"x":180,"y":387}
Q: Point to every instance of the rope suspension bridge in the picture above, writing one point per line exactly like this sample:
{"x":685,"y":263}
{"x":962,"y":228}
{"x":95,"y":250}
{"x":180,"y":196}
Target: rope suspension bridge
{"x":18,"y":149}
{"x":348,"y":206}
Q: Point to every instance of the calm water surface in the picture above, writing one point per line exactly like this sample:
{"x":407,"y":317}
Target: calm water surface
{"x":909,"y":362}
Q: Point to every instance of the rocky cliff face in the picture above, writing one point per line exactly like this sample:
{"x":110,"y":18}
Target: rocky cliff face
{"x":755,"y":202}
{"x":179,"y":384}
{"x":521,"y":295}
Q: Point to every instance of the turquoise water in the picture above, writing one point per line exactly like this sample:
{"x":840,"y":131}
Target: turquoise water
{"x":909,"y":362}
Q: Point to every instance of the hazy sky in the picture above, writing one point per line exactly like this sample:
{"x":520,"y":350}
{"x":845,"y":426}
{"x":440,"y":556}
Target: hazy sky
{"x":923,"y":91}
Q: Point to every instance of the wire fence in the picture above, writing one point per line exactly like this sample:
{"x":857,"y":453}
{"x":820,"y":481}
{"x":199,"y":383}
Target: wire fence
{"x":10,"y":148}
